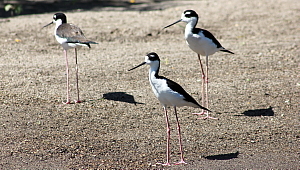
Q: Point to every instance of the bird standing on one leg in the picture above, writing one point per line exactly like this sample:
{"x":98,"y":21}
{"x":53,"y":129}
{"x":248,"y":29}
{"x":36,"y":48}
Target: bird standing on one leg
{"x":169,"y":93}
{"x":203,"y":43}
{"x":69,"y":36}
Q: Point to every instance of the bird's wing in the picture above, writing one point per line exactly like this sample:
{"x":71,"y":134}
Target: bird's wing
{"x":208,"y":35}
{"x":72,"y":33}
{"x":176,"y":87}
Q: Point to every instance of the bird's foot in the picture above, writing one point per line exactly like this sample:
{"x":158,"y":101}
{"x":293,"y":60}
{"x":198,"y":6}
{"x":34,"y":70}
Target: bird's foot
{"x":68,"y":102}
{"x":202,"y":113}
{"x":175,"y":163}
{"x":181,"y":162}
{"x":77,"y":101}
{"x":164,"y":164}
{"x":207,"y":117}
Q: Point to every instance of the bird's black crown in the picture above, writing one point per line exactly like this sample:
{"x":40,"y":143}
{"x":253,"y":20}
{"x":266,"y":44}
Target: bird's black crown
{"x":190,"y":13}
{"x":61,"y":16}
{"x":153,"y":56}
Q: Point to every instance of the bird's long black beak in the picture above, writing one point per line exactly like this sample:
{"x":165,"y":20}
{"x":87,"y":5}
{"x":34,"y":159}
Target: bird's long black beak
{"x":173,"y":23}
{"x":137,"y":66}
{"x":48,"y":24}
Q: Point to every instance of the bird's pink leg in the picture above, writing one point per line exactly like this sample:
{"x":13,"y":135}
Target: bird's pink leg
{"x":206,"y":92}
{"x":203,"y":85}
{"x":77,"y":84}
{"x":180,"y":141}
{"x":168,"y":139}
{"x":204,"y":79}
{"x":68,"y":83}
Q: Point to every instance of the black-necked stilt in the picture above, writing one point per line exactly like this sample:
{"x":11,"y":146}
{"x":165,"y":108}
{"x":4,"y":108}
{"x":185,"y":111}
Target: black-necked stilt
{"x":169,"y":93}
{"x":203,"y":43}
{"x":69,"y":36}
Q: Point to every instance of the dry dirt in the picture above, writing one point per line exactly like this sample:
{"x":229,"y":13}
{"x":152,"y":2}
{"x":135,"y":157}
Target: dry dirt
{"x":121,"y":124}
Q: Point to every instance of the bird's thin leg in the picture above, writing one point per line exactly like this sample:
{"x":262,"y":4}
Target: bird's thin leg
{"x":168,"y":139}
{"x":206,"y":81}
{"x":203,"y":85}
{"x":179,"y":138}
{"x":77,"y":84}
{"x":206,"y":92}
{"x":68,"y":83}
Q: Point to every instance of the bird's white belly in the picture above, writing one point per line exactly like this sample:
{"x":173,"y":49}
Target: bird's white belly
{"x":171,"y":98}
{"x":166,"y":96}
{"x":201,"y":45}
{"x":65,"y":45}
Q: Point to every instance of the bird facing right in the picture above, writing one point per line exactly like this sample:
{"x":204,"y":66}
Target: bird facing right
{"x":203,"y":43}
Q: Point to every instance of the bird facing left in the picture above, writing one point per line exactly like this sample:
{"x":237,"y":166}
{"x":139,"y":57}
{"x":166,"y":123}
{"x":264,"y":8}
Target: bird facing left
{"x":169,"y":93}
{"x":69,"y":36}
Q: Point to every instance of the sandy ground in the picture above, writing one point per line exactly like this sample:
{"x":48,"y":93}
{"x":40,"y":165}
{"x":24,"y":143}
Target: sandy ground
{"x":121,"y":123}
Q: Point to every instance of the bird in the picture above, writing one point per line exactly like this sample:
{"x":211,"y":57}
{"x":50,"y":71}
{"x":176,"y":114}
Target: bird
{"x":203,"y":43}
{"x":169,"y":93}
{"x":69,"y":36}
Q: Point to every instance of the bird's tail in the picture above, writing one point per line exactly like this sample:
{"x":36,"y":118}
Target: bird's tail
{"x":89,"y":42}
{"x":227,"y":51}
{"x":201,"y":107}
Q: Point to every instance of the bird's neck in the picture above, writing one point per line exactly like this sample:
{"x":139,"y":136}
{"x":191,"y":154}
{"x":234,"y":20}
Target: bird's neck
{"x":190,"y":26}
{"x":57,"y":24}
{"x":153,"y":71}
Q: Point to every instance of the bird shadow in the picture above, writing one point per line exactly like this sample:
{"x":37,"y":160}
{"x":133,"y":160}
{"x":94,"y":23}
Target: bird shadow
{"x":120,"y":96}
{"x":226,"y":156}
{"x":259,"y":112}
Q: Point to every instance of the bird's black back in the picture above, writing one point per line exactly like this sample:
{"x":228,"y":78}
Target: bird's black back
{"x":177,"y":88}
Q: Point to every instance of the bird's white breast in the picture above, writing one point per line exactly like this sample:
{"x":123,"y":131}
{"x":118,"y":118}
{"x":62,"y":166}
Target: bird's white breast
{"x":164,"y":94}
{"x":167,"y":96}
